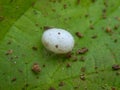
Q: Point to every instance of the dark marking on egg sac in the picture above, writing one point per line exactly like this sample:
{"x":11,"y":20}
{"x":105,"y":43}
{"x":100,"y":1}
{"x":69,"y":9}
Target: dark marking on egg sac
{"x":58,"y":33}
{"x":116,"y":67}
{"x":56,"y":46}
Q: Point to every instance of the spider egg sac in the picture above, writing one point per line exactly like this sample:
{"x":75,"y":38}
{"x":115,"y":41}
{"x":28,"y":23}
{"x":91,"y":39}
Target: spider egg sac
{"x":58,"y":41}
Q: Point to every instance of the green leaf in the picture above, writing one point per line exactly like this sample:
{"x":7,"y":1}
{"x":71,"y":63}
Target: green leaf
{"x":21,"y":47}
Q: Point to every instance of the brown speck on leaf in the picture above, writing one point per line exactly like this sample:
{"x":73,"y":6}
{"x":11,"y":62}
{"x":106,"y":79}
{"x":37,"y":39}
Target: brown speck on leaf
{"x":94,"y":36}
{"x":51,"y":88}
{"x":61,"y":84}
{"x":91,"y":27}
{"x":82,"y":58}
{"x":19,"y":70}
{"x":86,"y":15}
{"x":36,"y":24}
{"x":104,"y":10}
{"x":116,"y":67}
{"x":76,"y":87}
{"x":44,"y":65}
{"x":34,"y":48}
{"x":9,"y":42}
{"x":113,"y":88}
{"x":83,"y":69}
{"x":77,"y":2}
{"x":47,"y":27}
{"x":116,"y":27}
{"x":115,"y":41}
{"x":82,"y":77}
{"x":117,"y":18}
{"x":118,"y":73}
{"x":68,"y":65}
{"x":68,"y":55}
{"x":13,"y":80}
{"x":1,"y":18}
{"x":108,"y":30}
{"x":82,"y":50}
{"x":53,"y":10}
{"x":74,"y":58}
{"x":65,"y":6}
{"x":36,"y":68}
{"x":9,"y":52}
{"x":104,"y":16}
{"x":79,"y":34}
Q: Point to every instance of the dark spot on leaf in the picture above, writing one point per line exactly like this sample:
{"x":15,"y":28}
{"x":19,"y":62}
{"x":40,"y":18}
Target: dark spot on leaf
{"x":33,"y":4}
{"x":53,"y":10}
{"x":77,"y":2}
{"x":104,"y":16}
{"x":82,"y":58}
{"x":113,"y":88}
{"x":44,"y":65}
{"x":19,"y":70}
{"x":9,"y":52}
{"x":36,"y":68}
{"x":118,"y":73}
{"x":61,"y":84}
{"x":115,"y":41}
{"x":74,"y":58}
{"x":1,"y":18}
{"x":86,"y":15}
{"x":47,"y":27}
{"x":79,"y":34}
{"x":13,"y":80}
{"x":116,"y":27}
{"x":36,"y":24}
{"x":9,"y":42}
{"x":82,"y":77}
{"x":91,"y":27}
{"x":93,"y":37}
{"x":108,"y":30}
{"x":117,"y":18}
{"x":93,"y":1}
{"x":65,"y":6}
{"x":51,"y":88}
{"x":82,"y":50}
{"x":104,"y":10}
{"x":34,"y":48}
{"x":83,"y":69}
{"x":68,"y":55}
{"x":116,"y":67}
{"x":68,"y":65}
{"x":76,"y":87}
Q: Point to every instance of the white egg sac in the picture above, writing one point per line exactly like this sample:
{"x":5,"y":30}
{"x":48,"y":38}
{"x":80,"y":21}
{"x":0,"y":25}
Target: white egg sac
{"x":58,"y":41}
